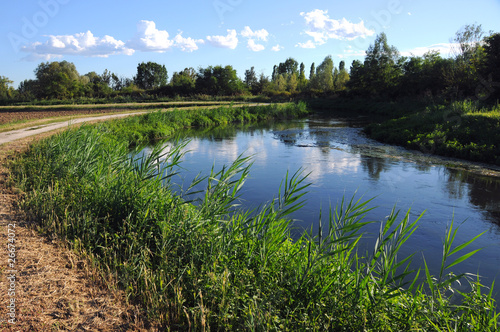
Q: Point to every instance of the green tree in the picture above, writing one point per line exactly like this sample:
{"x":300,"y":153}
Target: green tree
{"x":324,"y":75}
{"x":357,"y":83}
{"x":381,"y":67}
{"x":6,"y":90}
{"x":219,"y":81}
{"x":341,"y":78}
{"x":490,"y":80}
{"x":251,"y":79}
{"x":302,"y":84}
{"x":97,"y":85}
{"x":289,"y":67}
{"x":469,"y":58}
{"x":184,"y":82}
{"x":151,"y":75}
{"x":57,"y":80}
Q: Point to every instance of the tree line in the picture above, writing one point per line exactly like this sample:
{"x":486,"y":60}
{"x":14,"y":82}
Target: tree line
{"x":473,"y":70}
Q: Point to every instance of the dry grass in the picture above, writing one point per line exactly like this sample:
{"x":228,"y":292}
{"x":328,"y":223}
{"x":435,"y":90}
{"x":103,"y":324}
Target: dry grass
{"x":56,"y":290}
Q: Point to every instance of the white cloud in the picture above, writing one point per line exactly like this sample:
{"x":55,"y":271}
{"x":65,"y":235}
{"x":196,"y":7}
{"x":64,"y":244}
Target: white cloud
{"x":187,"y":44}
{"x":308,"y":44}
{"x":350,"y":52}
{"x":229,"y":41}
{"x":84,"y":43}
{"x":261,"y":34}
{"x":445,"y":49}
{"x":321,"y":28}
{"x":149,"y":39}
{"x":277,"y":48}
{"x":254,"y":46}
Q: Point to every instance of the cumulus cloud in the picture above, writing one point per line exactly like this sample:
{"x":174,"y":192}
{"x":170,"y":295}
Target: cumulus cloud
{"x":261,"y":34}
{"x":85,"y":44}
{"x":149,"y":39}
{"x":253,"y":46}
{"x":321,"y":28}
{"x":308,"y":44}
{"x":229,"y":41}
{"x":277,"y":48}
{"x":187,"y":44}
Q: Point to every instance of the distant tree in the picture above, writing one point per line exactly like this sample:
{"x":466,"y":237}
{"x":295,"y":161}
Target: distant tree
{"x":57,"y":80}
{"x":184,"y":82}
{"x":120,"y":83}
{"x":219,"y":80}
{"x":151,"y":75}
{"x":312,"y":71}
{"x":292,"y":83}
{"x":263,"y":84}
{"x":490,"y":82}
{"x":98,"y":85}
{"x":6,"y":90}
{"x":289,"y":67}
{"x":302,"y":84}
{"x":324,"y":75}
{"x":357,"y":81}
{"x":341,"y":78}
{"x":381,"y":68}
{"x":251,"y":79}
{"x":28,"y":89}
{"x":469,"y":56}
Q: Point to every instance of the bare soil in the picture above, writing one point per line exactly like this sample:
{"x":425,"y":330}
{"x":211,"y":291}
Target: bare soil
{"x":54,"y":289}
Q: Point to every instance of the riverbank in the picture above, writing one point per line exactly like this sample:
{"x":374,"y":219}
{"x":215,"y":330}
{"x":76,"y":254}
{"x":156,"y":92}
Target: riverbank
{"x":466,"y":130}
{"x":201,"y":267}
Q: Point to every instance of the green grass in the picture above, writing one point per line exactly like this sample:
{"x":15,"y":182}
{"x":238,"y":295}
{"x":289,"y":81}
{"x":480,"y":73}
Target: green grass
{"x":462,"y":130}
{"x":208,"y":265}
{"x":157,"y":125}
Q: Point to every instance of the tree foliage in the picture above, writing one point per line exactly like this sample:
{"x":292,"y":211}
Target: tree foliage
{"x":219,"y":80}
{"x":57,"y":80}
{"x":151,"y":75}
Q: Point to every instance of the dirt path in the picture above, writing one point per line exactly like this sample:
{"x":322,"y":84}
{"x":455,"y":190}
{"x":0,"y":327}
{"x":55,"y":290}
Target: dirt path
{"x":13,"y":135}
{"x":43,"y":285}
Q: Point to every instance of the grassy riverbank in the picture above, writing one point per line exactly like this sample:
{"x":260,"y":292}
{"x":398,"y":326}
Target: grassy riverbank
{"x":463,"y":130}
{"x":207,"y":264}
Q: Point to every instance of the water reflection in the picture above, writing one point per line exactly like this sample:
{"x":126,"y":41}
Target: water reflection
{"x":481,"y":191}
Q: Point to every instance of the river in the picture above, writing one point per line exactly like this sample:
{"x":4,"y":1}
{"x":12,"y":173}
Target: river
{"x":343,"y":162}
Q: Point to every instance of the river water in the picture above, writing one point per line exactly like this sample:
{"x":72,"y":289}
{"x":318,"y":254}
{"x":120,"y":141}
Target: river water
{"x":343,"y":162}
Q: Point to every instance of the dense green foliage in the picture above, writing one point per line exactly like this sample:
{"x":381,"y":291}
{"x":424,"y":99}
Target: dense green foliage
{"x":151,"y":75}
{"x":208,"y":265}
{"x":462,"y":130}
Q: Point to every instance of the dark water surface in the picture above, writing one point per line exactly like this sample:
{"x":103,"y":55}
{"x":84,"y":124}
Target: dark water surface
{"x":344,"y":162}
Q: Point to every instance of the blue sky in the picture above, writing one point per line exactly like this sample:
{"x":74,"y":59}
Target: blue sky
{"x":117,"y":35}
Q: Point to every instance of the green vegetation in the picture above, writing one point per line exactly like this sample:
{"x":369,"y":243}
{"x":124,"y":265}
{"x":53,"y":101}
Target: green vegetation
{"x":208,"y":265}
{"x":158,"y":125}
{"x":462,"y":129}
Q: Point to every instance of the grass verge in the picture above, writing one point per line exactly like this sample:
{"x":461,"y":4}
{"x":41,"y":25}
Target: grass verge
{"x":207,"y":265}
{"x":462,"y":130}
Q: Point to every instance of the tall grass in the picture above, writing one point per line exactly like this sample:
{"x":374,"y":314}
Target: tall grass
{"x":209,"y":265}
{"x":157,"y":125}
